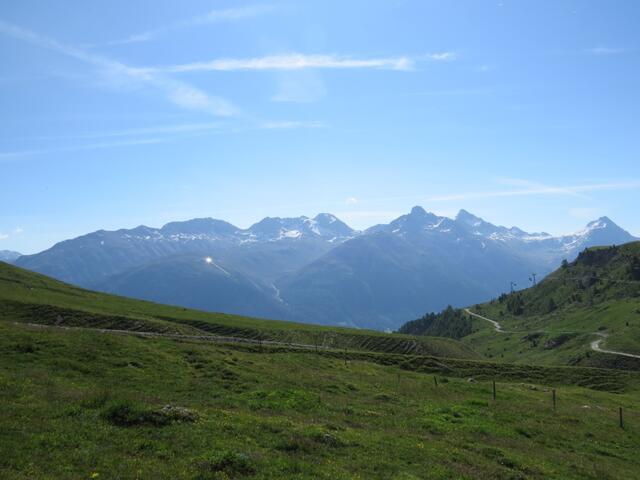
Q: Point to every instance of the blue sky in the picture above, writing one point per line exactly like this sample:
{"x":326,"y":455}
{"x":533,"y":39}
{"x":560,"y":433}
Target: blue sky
{"x":115,"y":114}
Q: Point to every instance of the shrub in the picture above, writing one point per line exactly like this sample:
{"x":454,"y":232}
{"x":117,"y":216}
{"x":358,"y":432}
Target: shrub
{"x":126,"y":414}
{"x":327,"y":439}
{"x":226,"y":461}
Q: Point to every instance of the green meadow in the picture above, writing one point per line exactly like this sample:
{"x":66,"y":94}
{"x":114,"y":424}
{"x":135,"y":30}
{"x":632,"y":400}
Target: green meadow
{"x":84,"y":395}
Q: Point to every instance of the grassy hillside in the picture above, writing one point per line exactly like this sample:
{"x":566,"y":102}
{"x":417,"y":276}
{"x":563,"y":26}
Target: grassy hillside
{"x":30,"y":297}
{"x":84,"y":403}
{"x":555,"y":321}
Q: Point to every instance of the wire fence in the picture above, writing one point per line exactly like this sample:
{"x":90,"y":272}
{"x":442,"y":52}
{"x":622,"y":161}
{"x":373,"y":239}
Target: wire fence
{"x":621,"y":416}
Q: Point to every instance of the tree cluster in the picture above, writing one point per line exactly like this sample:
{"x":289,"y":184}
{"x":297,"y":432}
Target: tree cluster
{"x":450,"y":322}
{"x":597,"y":256}
{"x":515,"y":304}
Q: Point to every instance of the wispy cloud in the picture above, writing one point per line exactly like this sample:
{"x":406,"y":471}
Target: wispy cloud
{"x":155,"y":130}
{"x":18,"y":231}
{"x":212,"y":16}
{"x":537,"y":186}
{"x":8,"y":156}
{"x":571,"y":190}
{"x":296,"y":61}
{"x":441,"y":57}
{"x":525,"y":188}
{"x":605,"y":51}
{"x":351,"y":201}
{"x":119,"y":74}
{"x":236,"y":13}
{"x":3,"y":236}
{"x":150,"y":136}
{"x":454,"y":92}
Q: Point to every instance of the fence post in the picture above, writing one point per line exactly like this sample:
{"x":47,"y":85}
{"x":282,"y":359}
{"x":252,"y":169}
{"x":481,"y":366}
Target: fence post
{"x":554,"y":399}
{"x":494,"y":389}
{"x":620,"y":413}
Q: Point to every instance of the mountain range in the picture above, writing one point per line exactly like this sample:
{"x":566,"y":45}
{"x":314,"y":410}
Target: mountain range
{"x":318,"y":269}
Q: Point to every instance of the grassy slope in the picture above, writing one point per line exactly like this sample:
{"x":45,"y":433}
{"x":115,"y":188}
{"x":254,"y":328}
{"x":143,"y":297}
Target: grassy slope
{"x":610,"y":304}
{"x":27,"y":296}
{"x":32,"y":298}
{"x":294,"y":415}
{"x":273,"y":412}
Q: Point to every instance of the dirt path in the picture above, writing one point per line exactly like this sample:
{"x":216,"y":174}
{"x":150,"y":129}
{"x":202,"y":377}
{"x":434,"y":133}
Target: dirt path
{"x":595,"y":345}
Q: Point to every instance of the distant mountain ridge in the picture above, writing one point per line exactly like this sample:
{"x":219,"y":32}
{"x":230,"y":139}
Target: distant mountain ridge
{"x":9,"y":256}
{"x":318,"y":269}
{"x":89,"y":259}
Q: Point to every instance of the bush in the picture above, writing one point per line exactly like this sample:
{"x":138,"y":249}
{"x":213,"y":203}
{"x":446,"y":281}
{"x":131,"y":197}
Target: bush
{"x":226,"y":461}
{"x":125,"y":414}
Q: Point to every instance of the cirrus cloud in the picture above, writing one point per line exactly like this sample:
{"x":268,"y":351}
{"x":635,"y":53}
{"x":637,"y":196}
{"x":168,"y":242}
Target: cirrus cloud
{"x":300,"y":61}
{"x":119,"y":74}
{"x":212,"y":16}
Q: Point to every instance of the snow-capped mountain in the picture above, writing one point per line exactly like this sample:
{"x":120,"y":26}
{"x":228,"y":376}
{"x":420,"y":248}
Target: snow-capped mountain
{"x":602,"y":231}
{"x":318,"y":269}
{"x":422,"y":262}
{"x":90,"y":259}
{"x":324,"y":226}
{"x":419,"y":262}
{"x":541,"y":245}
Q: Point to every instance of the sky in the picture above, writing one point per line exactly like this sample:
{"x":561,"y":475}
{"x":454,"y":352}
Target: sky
{"x":115,"y":114}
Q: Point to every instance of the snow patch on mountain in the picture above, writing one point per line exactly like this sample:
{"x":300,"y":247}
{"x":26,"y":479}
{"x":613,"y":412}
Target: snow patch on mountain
{"x":289,"y":234}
